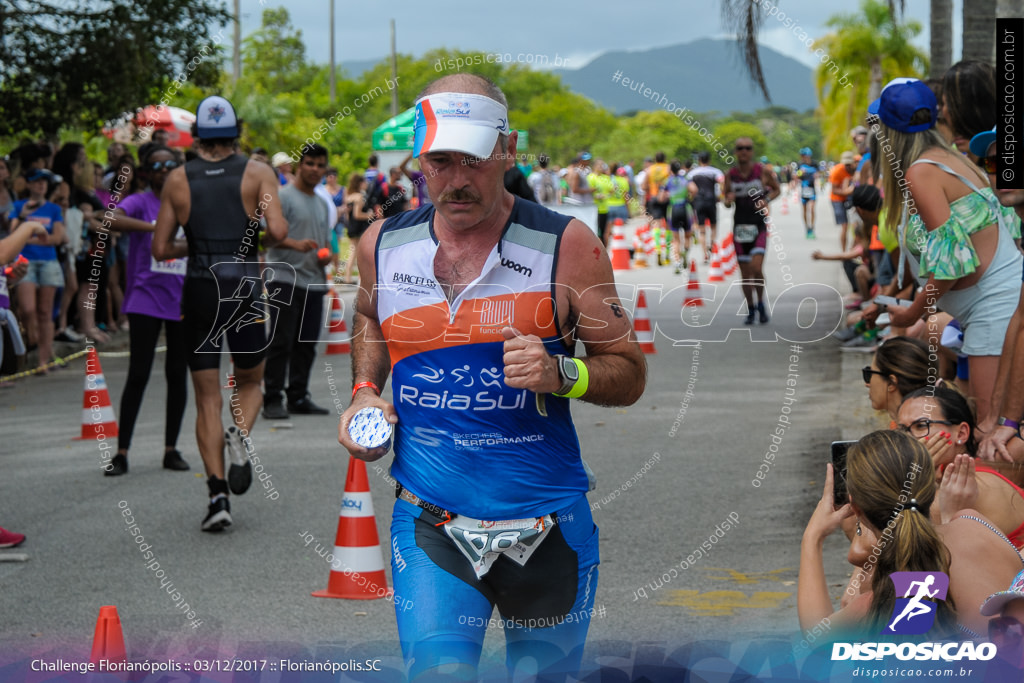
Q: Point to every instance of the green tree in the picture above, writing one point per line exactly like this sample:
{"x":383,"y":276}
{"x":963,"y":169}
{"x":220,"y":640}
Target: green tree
{"x":563,"y":124}
{"x":646,"y":133}
{"x":80,"y":64}
{"x":865,"y":50}
{"x":274,"y":56}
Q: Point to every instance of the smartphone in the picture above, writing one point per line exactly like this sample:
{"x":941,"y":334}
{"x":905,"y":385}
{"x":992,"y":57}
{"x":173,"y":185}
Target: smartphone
{"x":891,"y":301}
{"x":839,"y":495}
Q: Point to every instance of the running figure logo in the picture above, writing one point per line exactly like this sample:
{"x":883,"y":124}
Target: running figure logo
{"x":253,"y":300}
{"x":914,"y":612}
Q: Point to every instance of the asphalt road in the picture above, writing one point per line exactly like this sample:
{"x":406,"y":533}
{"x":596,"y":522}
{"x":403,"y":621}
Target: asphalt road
{"x":693,"y":545}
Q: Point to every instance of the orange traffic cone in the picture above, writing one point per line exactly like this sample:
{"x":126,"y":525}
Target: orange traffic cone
{"x":98,"y":421}
{"x":693,"y":297}
{"x":642,"y":325}
{"x":729,"y":262}
{"x":337,"y":332}
{"x":620,"y":248}
{"x":639,"y":252}
{"x":650,"y":245}
{"x":357,"y":569}
{"x":715,"y":274}
{"x":108,"y":641}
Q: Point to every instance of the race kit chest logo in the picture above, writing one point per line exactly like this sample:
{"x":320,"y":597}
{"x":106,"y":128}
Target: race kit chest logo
{"x":496,"y":312}
{"x":916,"y":596}
{"x":518,"y":267}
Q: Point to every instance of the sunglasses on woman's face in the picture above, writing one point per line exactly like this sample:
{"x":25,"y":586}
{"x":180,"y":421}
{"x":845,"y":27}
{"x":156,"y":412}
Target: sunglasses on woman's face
{"x":989,"y":164}
{"x":163,"y":165}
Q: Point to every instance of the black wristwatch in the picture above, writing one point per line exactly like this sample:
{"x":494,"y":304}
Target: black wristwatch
{"x":568,"y":372}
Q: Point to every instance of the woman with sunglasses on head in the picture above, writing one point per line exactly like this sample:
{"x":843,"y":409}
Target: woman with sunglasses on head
{"x":941,"y":419}
{"x":152,"y":300}
{"x":891,"y":484}
{"x":899,"y":367}
{"x":953,"y":223}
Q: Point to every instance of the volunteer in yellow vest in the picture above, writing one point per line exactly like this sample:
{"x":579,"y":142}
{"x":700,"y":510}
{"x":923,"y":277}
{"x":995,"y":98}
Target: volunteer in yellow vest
{"x":604,"y":188}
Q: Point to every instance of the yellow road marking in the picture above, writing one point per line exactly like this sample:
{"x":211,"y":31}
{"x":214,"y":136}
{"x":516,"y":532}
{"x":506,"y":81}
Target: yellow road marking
{"x":722,"y":603}
{"x":746,"y":579}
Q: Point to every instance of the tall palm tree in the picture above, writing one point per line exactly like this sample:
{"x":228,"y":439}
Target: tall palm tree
{"x":864,"y":50}
{"x":744,"y":18}
{"x":941,"y":37}
{"x":979,"y":30}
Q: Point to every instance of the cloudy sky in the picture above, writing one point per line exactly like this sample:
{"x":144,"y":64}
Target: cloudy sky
{"x":576,"y":30}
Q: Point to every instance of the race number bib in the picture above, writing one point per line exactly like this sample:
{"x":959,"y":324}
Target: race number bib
{"x":807,"y":192}
{"x":745,"y":232}
{"x":482,"y":542}
{"x":175,"y":266}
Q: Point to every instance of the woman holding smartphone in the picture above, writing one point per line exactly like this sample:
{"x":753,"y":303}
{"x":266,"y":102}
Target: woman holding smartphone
{"x":891,"y":482}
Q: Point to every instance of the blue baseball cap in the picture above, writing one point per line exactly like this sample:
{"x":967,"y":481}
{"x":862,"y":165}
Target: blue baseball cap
{"x":980,"y":142}
{"x":805,"y":151}
{"x":37,"y":174}
{"x":901,"y":99}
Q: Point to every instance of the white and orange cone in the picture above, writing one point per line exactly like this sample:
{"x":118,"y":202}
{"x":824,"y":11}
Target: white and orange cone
{"x":98,"y":421}
{"x":642,"y":325}
{"x":693,"y":297}
{"x":337,"y":332}
{"x":620,"y":247}
{"x":729,"y":261}
{"x":715,"y":273}
{"x":357,"y":569}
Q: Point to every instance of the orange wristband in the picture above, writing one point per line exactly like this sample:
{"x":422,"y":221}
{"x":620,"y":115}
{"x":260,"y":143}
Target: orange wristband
{"x":362,"y":385}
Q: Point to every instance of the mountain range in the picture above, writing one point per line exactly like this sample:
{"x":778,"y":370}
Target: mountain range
{"x":705,"y":75}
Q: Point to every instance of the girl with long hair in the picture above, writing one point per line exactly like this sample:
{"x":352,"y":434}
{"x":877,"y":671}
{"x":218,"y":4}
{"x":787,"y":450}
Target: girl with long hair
{"x":954,"y":235}
{"x":892,"y":488}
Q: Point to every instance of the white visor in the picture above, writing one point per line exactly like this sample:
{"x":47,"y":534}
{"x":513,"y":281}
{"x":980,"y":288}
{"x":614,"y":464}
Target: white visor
{"x":458,"y":122}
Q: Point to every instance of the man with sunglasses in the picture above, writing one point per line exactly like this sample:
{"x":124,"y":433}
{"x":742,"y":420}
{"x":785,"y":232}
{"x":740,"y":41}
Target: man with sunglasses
{"x":221,"y":198}
{"x":1003,"y":424}
{"x":752,"y":187}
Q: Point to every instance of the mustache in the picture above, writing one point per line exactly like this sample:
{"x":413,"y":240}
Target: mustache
{"x":458,"y":196}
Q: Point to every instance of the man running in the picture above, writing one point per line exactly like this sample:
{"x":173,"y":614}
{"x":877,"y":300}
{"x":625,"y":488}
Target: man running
{"x":706,"y":180}
{"x":751,"y":187}
{"x":220,"y":198}
{"x":808,"y":175}
{"x":492,"y":508}
{"x":678,"y":190}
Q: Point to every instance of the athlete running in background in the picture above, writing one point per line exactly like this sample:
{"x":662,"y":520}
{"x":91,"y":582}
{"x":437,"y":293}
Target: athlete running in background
{"x":808,"y":175}
{"x":498,"y":457}
{"x":677,"y":188}
{"x":220,"y":198}
{"x":707,"y":180}
{"x":751,"y":187}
